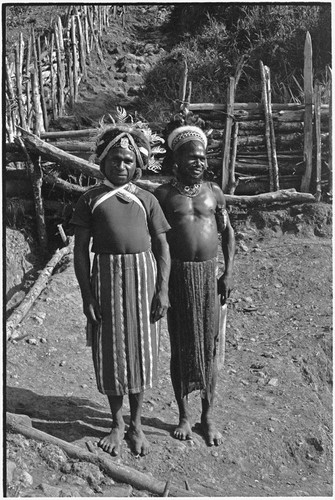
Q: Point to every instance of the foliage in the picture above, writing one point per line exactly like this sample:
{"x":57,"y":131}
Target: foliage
{"x":222,"y":40}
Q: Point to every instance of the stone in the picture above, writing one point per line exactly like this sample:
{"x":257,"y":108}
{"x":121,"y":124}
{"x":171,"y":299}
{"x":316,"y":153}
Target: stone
{"x":27,"y":478}
{"x":118,"y":491}
{"x":32,"y":341}
{"x":50,"y":491}
{"x":10,"y":469}
{"x":273,"y":382}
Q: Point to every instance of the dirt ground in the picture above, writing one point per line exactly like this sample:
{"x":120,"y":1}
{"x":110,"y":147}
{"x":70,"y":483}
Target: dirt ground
{"x":274,"y":394}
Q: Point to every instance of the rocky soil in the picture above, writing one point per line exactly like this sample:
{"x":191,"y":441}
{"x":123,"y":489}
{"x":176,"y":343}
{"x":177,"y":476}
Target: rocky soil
{"x":274,"y":395}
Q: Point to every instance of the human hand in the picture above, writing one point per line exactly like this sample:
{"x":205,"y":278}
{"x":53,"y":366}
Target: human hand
{"x":224,"y":287}
{"x":92,"y":310}
{"x":159,"y":306}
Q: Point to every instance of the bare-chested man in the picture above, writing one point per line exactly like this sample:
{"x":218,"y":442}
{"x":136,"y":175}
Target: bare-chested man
{"x":196,"y":213}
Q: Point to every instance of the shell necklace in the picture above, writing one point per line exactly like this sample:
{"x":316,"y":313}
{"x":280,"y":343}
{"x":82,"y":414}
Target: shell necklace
{"x":190,"y":191}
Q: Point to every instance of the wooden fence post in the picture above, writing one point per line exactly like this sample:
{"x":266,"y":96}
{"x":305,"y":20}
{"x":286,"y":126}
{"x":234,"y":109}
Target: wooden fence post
{"x":38,"y":126}
{"x":53,"y":78}
{"x":35,"y":172}
{"x":81,"y":45}
{"x":272,"y":132}
{"x":227,"y":139}
{"x":40,"y":78}
{"x":11,"y":94}
{"x":18,"y":72}
{"x":267,"y":124}
{"x":60,"y":65}
{"x":74,"y":57}
{"x":232,"y":180}
{"x":28,"y":82}
{"x":317,"y":114}
{"x":308,"y":116}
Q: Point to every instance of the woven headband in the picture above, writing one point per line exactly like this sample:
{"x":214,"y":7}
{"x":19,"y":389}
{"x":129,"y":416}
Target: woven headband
{"x":114,"y":143}
{"x":184,"y":134}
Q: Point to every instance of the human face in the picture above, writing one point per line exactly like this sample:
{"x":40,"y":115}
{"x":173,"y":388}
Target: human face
{"x":119,"y":166}
{"x":191,"y":161}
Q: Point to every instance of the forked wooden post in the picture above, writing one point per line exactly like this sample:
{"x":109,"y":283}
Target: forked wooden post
{"x":317,"y":114}
{"x":227,"y":139}
{"x":308,"y":116}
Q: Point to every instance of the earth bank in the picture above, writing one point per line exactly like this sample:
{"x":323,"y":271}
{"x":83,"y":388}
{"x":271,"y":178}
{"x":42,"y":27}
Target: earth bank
{"x":274,"y":396}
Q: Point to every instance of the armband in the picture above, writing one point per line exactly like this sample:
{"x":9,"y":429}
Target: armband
{"x":221,"y":216}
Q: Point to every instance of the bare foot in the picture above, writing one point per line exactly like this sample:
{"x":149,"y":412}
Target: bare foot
{"x":211,"y":434}
{"x":111,"y":442}
{"x":138,"y":442}
{"x":183,"y":431}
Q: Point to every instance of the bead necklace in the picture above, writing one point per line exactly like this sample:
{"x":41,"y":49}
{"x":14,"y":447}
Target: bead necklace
{"x":190,"y":191}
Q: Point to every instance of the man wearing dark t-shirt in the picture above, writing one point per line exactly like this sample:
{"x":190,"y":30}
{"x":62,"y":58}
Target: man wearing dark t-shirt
{"x":126,"y":293}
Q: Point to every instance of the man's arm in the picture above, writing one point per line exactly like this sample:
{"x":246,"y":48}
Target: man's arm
{"x":228,"y":244}
{"x":161,"y":252}
{"x":82,"y":269}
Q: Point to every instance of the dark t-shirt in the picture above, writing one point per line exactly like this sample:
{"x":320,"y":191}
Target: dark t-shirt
{"x":120,"y":225}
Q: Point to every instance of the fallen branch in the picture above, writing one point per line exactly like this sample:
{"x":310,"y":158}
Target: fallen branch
{"x":65,"y":160}
{"x":284,"y":195}
{"x":21,"y":311}
{"x":120,"y":473}
{"x":66,"y":186}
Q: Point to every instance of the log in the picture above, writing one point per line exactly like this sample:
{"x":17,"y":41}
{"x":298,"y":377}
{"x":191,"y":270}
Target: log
{"x":74,"y":145}
{"x":308,"y":115}
{"x":21,"y":311}
{"x":65,"y":160}
{"x":66,"y":186}
{"x":317,"y":111}
{"x":26,"y":205}
{"x":281,"y":196}
{"x":120,"y":473}
{"x":253,"y":106}
{"x":154,"y":126}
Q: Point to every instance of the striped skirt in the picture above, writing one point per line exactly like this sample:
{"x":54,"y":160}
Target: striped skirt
{"x":193,"y":320}
{"x":125,"y":344}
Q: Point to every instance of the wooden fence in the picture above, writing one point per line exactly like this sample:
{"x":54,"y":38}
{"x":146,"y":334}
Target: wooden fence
{"x":254,"y":147}
{"x":260,"y":147}
{"x":44,"y":72}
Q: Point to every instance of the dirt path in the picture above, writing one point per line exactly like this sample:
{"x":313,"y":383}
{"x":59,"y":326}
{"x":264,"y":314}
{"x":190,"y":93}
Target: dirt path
{"x":273,"y":400}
